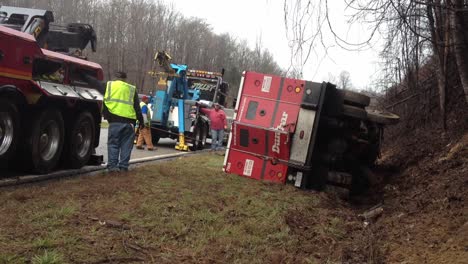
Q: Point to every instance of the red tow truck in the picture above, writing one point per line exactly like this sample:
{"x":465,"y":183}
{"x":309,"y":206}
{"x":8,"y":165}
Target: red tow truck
{"x":305,"y":133}
{"x":49,"y":116}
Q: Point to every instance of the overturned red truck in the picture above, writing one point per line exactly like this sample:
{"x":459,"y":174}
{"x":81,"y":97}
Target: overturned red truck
{"x":306,"y":133}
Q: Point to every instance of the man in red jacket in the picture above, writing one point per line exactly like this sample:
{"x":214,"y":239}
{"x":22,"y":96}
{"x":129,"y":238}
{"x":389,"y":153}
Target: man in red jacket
{"x":218,"y":124}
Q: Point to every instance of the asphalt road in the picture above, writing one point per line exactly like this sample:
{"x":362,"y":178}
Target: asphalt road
{"x":165,"y":146}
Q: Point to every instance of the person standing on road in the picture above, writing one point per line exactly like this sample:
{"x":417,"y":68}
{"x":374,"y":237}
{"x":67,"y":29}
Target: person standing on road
{"x":145,"y":132}
{"x":121,"y":109}
{"x":218,"y":124}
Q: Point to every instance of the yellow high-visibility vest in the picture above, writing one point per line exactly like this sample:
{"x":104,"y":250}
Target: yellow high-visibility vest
{"x":119,"y":99}
{"x":148,"y":114}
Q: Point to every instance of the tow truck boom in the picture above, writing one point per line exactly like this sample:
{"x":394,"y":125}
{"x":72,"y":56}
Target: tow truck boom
{"x":38,"y":23}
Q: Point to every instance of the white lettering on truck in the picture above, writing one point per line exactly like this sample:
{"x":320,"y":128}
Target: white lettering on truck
{"x":276,"y":145}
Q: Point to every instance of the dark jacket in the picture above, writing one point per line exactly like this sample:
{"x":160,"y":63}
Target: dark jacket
{"x":111,"y":118}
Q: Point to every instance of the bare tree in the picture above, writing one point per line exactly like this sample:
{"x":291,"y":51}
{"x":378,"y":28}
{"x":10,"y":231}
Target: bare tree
{"x":344,"y":80}
{"x":414,"y":33}
{"x":459,"y":24}
{"x":131,"y":31}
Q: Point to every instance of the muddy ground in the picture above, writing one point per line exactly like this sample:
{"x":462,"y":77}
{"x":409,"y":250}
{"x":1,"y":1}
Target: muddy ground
{"x":424,"y":195}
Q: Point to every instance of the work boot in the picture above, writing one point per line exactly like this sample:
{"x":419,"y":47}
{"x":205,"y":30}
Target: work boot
{"x":111,"y":171}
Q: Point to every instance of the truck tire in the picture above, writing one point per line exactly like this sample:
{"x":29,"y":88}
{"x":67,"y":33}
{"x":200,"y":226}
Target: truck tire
{"x":354,"y":98}
{"x":199,"y":137}
{"x":337,"y":191}
{"x":80,"y":141}
{"x":354,"y":111}
{"x":46,"y":141}
{"x":196,"y":137}
{"x":9,"y":131}
{"x":204,"y":136}
{"x":155,"y":137}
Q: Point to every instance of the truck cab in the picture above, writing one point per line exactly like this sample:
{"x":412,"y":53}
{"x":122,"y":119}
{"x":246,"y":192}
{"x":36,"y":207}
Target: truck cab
{"x":212,"y":89}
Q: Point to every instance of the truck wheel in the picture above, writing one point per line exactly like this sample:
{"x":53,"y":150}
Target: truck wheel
{"x":204,"y":135}
{"x":337,"y":191}
{"x":354,"y":111}
{"x":353,"y":98}
{"x":46,"y":141}
{"x":80,"y":141}
{"x":155,"y":137}
{"x":196,"y":137}
{"x":9,"y":131}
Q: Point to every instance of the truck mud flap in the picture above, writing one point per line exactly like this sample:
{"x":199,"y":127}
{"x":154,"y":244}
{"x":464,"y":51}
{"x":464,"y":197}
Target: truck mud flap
{"x":95,"y":159}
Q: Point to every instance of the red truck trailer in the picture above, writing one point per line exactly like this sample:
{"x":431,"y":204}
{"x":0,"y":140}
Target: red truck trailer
{"x":305,"y":133}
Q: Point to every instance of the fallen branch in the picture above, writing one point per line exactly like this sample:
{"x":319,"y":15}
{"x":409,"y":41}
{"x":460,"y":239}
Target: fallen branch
{"x":372,"y":213}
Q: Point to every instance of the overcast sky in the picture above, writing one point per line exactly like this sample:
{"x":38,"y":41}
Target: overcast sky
{"x":255,"y":19}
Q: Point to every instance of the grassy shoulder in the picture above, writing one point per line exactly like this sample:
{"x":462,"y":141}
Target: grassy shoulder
{"x":185,"y":210}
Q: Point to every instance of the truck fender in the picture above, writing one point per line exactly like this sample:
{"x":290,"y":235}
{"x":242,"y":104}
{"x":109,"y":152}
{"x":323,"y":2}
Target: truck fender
{"x":13,"y":92}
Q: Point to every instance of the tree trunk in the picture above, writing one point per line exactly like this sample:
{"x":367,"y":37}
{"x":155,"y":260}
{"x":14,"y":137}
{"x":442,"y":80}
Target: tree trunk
{"x":437,"y":42}
{"x":460,"y":43}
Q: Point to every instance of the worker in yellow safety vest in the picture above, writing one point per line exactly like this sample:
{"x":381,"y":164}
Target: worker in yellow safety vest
{"x":145,"y":131}
{"x":121,"y":109}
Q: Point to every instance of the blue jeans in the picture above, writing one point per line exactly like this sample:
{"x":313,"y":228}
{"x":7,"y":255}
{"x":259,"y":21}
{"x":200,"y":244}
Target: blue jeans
{"x":119,"y":145}
{"x":217,"y":138}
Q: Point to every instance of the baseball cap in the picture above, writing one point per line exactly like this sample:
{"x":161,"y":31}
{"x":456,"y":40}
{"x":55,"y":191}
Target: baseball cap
{"x":121,"y":75}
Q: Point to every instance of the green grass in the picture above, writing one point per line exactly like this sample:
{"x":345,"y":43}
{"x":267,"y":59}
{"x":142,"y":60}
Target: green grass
{"x":185,"y":210}
{"x":48,"y":257}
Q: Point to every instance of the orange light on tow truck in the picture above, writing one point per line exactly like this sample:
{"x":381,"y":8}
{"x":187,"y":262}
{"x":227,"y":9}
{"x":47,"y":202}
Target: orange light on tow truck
{"x":204,"y":74}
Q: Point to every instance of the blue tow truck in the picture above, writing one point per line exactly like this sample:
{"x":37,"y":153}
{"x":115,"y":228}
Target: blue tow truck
{"x":176,"y":103}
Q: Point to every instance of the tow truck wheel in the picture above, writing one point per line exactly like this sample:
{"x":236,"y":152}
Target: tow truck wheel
{"x":155,"y":137}
{"x":46,"y":140}
{"x":204,"y":135}
{"x":196,"y":138}
{"x":9,"y":131}
{"x":80,"y":141}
